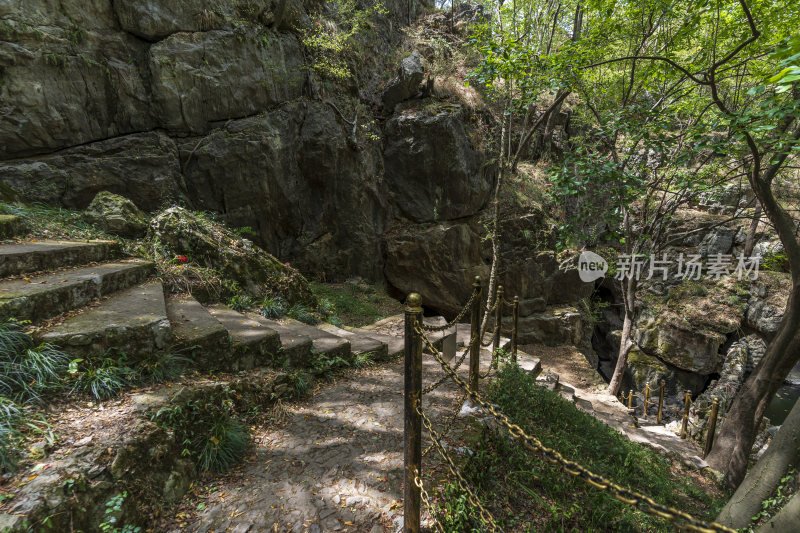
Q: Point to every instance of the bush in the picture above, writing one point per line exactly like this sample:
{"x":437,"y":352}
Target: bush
{"x":101,"y":381}
{"x":225,"y":445}
{"x":241,"y":302}
{"x":273,"y":307}
{"x":161,"y":366}
{"x":303,"y":314}
{"x":27,"y":371}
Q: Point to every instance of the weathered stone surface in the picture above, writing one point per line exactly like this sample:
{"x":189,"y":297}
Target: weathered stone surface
{"x":291,"y":176}
{"x":12,"y":226}
{"x":68,"y":85}
{"x":763,"y":317}
{"x":296,"y":348}
{"x":143,"y":167}
{"x":254,"y":344}
{"x":684,"y":347}
{"x":432,"y":170}
{"x":439,"y":261}
{"x":156,"y":19}
{"x":194,"y":328}
{"x":558,"y":325}
{"x":199,"y":78}
{"x":133,"y":321}
{"x":116,"y":214}
{"x":52,"y":294}
{"x":178,"y":231}
{"x":718,"y":241}
{"x":405,"y":84}
{"x":28,"y":257}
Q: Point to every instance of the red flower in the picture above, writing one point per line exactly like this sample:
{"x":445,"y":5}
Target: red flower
{"x":287,"y":264}
{"x":182,"y":259}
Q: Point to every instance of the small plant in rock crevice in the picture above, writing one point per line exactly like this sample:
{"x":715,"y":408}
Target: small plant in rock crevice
{"x":113,"y":509}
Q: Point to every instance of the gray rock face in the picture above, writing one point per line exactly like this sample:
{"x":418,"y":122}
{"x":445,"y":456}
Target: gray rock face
{"x":553,"y":327}
{"x":144,"y":167}
{"x":199,"y":78}
{"x":116,"y":215}
{"x":432,"y":169}
{"x":763,"y":317}
{"x":720,"y":241}
{"x":438,"y":261}
{"x":405,"y":84}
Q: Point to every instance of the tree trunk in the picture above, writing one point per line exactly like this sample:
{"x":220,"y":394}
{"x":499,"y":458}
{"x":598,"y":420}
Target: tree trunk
{"x":732,"y":446}
{"x":761,"y":482}
{"x":750,"y":242}
{"x":626,"y":341}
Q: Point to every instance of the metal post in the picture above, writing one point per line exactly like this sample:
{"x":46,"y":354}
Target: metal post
{"x":646,"y":399}
{"x":630,"y":399}
{"x":413,"y":421}
{"x":498,"y":320}
{"x":660,"y":401}
{"x":712,"y":427}
{"x":687,"y":403}
{"x":514,"y":330}
{"x":474,"y":339}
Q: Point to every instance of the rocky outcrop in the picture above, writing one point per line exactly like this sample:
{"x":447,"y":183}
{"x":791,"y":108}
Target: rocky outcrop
{"x":432,"y":170}
{"x":763,"y":317}
{"x":405,"y":84}
{"x":117,"y":215}
{"x":178,"y":232}
{"x":439,"y":261}
{"x":558,"y":325}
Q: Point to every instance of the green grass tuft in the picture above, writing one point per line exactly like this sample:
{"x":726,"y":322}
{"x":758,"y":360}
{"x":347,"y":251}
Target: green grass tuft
{"x":101,"y":381}
{"x":273,"y":307}
{"x":224,"y":445}
{"x":354,"y":304}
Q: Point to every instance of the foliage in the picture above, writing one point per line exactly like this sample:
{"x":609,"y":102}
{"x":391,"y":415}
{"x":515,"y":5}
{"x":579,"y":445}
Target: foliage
{"x":209,"y":430}
{"x":27,"y":371}
{"x":530,"y":494}
{"x":112,"y":509}
{"x":241,"y":302}
{"x":11,"y":416}
{"x":273,"y":307}
{"x":159,"y":366}
{"x":102,"y":379}
{"x":303,"y":314}
{"x":772,"y":505}
{"x":334,"y":36}
{"x":324,"y":364}
{"x":356,"y":304}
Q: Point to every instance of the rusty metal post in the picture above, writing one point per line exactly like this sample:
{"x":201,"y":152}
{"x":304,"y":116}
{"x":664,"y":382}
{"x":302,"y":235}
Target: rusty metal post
{"x":498,"y":320}
{"x":475,"y":337}
{"x":712,"y":427}
{"x":514,"y":330}
{"x":413,"y":421}
{"x":660,"y":401}
{"x":687,"y":402}
{"x":630,"y":399}
{"x":646,"y":399}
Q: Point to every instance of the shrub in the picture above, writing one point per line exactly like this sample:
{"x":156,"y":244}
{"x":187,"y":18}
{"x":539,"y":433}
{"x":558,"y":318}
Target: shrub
{"x":102,"y":381}
{"x":156,"y":367}
{"x":303,"y":314}
{"x":26,"y":371}
{"x":273,"y":307}
{"x":224,"y":445}
{"x":241,"y":302}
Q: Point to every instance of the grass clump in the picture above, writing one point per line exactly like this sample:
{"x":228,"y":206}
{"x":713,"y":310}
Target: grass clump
{"x":530,"y":494}
{"x":303,"y":314}
{"x":273,"y":307}
{"x":208,"y":429}
{"x":355,"y":304}
{"x":100,"y":379}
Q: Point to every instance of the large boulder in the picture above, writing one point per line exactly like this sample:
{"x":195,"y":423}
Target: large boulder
{"x":439,"y":261}
{"x":116,"y":214}
{"x":199,"y":78}
{"x":557,"y":325}
{"x":432,"y":170}
{"x":763,"y":317}
{"x":143,"y":167}
{"x":179,"y":232}
{"x":405,"y":84}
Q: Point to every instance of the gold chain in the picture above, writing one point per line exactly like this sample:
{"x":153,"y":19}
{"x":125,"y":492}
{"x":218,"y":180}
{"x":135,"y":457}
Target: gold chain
{"x":449,"y":423}
{"x":645,"y":504}
{"x":427,"y":500}
{"x":431,"y":388}
{"x":456,"y":320}
{"x":486,"y":516}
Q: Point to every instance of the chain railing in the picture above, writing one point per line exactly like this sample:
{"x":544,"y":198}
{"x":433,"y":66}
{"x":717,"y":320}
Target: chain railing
{"x":416,"y":419}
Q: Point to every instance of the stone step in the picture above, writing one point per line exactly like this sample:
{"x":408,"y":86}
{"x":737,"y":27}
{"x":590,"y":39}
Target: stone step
{"x":394,"y":345}
{"x":296,"y":348}
{"x":42,"y":297}
{"x":197,"y":331}
{"x":464,"y":331}
{"x":529,"y":363}
{"x":27,"y":257}
{"x":254,"y":344}
{"x":548,"y":379}
{"x":323,"y":342}
{"x":566,"y":391}
{"x":12,"y":226}
{"x":134,"y":322}
{"x":360,"y":344}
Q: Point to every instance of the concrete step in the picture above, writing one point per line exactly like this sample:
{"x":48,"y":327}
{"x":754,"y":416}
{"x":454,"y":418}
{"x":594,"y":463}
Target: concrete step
{"x":394,"y":345}
{"x":360,"y":344}
{"x":323,"y":342}
{"x":548,"y":379}
{"x":197,"y":331}
{"x":529,"y":363}
{"x":296,"y":348}
{"x":133,"y":321}
{"x":12,"y":226}
{"x":27,"y":257}
{"x":254,"y":344}
{"x":446,"y":340}
{"x":42,"y":297}
{"x":566,"y":391}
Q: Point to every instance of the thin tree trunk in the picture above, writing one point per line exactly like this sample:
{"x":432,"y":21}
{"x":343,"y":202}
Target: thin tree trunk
{"x":760,"y":483}
{"x":786,"y":520}
{"x":626,"y":340}
{"x":750,"y":242}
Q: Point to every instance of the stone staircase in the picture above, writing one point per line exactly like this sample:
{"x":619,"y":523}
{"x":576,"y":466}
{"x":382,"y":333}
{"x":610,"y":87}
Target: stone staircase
{"x":86,"y":299}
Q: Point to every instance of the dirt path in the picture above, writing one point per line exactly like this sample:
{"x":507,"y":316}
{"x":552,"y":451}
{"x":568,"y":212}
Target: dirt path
{"x":335,"y":464}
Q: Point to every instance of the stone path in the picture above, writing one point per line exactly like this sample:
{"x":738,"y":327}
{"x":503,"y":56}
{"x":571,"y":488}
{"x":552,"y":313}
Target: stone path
{"x":335,"y":465}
